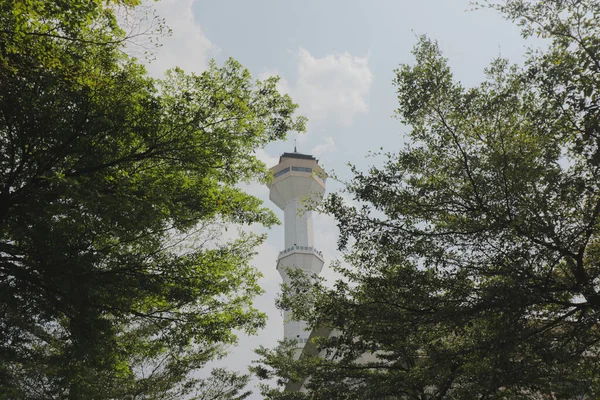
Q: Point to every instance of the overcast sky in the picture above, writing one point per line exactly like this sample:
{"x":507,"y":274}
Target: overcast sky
{"x":336,"y":59}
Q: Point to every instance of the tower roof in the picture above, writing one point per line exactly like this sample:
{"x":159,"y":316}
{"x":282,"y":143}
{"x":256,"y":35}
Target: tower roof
{"x":298,"y":155}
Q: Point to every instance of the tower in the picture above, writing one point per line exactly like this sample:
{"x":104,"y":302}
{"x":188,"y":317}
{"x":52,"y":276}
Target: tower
{"x":297,"y":178}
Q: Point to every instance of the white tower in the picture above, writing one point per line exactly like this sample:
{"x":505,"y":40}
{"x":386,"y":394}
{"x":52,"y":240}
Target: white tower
{"x":297,"y":178}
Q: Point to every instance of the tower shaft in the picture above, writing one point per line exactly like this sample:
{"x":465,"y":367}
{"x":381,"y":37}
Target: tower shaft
{"x":298,"y":226}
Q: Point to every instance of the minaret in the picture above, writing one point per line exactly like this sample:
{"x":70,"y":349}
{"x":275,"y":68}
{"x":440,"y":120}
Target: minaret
{"x":297,"y":179}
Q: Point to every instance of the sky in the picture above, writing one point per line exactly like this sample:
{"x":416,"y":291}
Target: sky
{"x":336,"y":59}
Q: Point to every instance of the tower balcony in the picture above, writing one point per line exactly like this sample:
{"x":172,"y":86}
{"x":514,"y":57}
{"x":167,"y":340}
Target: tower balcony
{"x":302,"y":250}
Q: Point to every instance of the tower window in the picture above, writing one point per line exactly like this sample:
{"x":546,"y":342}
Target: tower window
{"x":283,"y":171}
{"x":302,"y":169}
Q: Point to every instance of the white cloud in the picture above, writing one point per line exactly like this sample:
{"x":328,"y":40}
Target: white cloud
{"x":333,"y":87}
{"x":268,"y":159}
{"x":283,"y":86}
{"x":187,"y":47}
{"x":329,"y":89}
{"x":327,"y":147}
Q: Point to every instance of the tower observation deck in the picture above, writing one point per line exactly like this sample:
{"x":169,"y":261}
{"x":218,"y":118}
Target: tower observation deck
{"x":298,"y":181}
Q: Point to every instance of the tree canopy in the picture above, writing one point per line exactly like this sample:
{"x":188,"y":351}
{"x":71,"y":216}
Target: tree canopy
{"x":111,"y":184}
{"x":473,"y":268}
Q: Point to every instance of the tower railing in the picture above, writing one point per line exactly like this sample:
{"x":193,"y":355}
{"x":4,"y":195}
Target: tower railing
{"x":295,"y":248}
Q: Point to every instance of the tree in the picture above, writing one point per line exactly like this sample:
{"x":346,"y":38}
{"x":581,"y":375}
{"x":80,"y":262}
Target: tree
{"x":474,"y":262}
{"x":111,"y":186}
{"x":224,"y":385}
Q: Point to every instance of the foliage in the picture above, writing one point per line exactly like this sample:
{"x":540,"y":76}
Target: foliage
{"x":224,"y":385}
{"x":474,"y":264}
{"x":111,"y":285}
